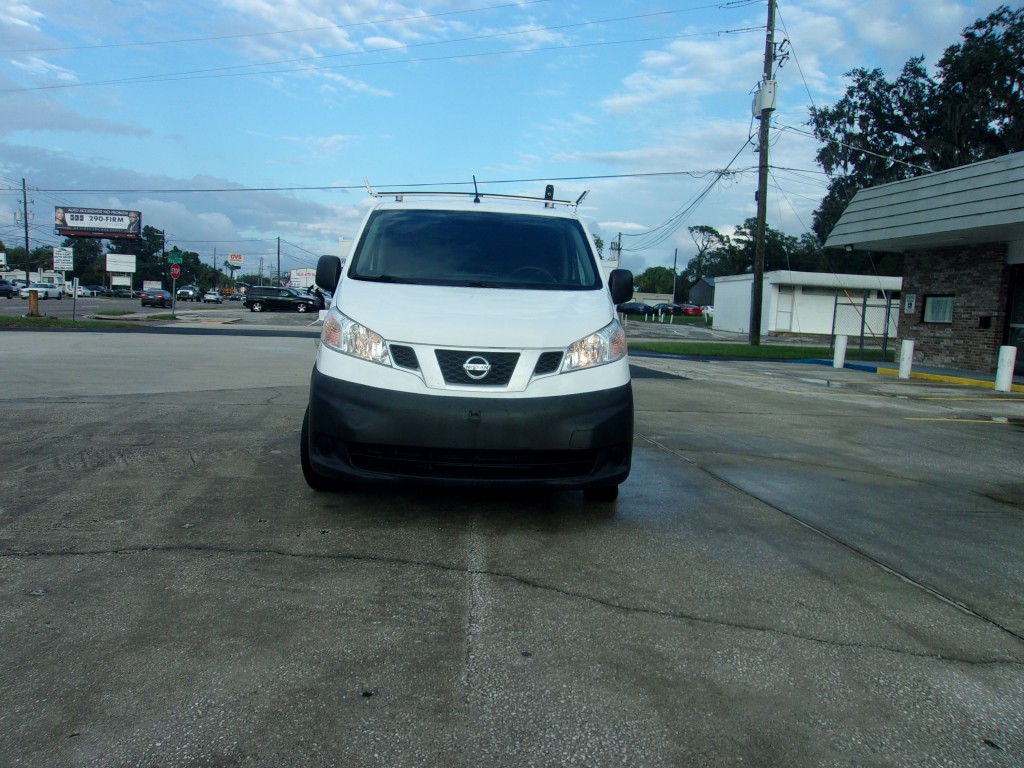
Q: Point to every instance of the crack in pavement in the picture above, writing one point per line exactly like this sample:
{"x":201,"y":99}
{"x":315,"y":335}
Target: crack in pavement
{"x":643,"y":610}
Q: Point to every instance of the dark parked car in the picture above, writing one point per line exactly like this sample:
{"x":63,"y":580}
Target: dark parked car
{"x":265,"y":298}
{"x":156,"y":297}
{"x":635,"y":308}
{"x":8,"y":289}
{"x":669,"y":309}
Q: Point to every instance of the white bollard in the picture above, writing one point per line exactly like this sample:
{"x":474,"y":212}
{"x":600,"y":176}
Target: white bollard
{"x":1004,"y":370}
{"x":906,"y":358}
{"x":839,"y":358}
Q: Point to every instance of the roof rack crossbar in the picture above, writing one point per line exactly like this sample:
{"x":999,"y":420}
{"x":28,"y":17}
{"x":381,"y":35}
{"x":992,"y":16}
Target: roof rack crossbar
{"x":398,"y":195}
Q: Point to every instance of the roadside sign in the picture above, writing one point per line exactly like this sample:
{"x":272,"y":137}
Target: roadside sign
{"x":175,"y":271}
{"x":174,"y":259}
{"x":63,"y":259}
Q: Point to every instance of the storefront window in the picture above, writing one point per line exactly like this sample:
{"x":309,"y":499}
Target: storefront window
{"x":938,"y":309}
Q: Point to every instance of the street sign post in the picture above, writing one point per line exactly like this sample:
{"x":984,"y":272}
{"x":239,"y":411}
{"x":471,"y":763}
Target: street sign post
{"x":175,"y":270}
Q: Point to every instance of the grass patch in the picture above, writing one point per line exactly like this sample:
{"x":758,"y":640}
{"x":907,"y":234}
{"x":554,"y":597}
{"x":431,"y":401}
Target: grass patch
{"x":759,"y":352}
{"x":29,"y":323}
{"x":115,"y":312}
{"x":19,"y":323}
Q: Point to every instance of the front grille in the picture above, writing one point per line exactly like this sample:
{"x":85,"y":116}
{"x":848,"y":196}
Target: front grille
{"x":548,"y":362}
{"x":452,"y":362}
{"x":404,"y":357}
{"x":457,"y":464}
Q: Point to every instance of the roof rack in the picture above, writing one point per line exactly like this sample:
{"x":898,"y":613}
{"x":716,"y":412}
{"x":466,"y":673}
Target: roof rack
{"x":548,"y":199}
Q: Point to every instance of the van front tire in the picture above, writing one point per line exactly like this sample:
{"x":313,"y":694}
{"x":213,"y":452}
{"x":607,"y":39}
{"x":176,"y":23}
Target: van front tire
{"x":313,"y":479}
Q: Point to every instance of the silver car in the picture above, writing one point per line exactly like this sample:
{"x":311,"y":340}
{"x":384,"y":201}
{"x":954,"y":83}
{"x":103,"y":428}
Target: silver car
{"x":45,"y":291}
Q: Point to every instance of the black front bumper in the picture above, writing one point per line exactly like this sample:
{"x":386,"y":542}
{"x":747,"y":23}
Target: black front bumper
{"x":569,"y":442}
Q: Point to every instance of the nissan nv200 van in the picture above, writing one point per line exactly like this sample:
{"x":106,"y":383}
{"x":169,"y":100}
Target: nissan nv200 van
{"x":472,"y":339}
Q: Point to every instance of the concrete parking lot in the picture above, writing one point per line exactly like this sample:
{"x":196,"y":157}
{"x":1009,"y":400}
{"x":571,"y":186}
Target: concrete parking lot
{"x":807,"y":567}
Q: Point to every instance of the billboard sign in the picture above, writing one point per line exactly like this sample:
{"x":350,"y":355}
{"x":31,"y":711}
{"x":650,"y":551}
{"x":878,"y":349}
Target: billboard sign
{"x":63,"y":259}
{"x":97,"y":222}
{"x":236,"y":259}
{"x":121,"y":262}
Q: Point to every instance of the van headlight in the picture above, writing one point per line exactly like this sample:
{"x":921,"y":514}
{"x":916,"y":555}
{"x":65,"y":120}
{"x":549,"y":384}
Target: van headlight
{"x":599,"y":348}
{"x":345,"y":335}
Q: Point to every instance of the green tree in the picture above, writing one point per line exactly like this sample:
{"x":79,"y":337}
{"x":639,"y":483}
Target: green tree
{"x":707,"y":240}
{"x":90,"y":264}
{"x":883,"y":131}
{"x":148,"y":252}
{"x":654,"y":280}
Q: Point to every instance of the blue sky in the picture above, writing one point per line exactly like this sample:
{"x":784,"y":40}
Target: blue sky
{"x":230,"y":123}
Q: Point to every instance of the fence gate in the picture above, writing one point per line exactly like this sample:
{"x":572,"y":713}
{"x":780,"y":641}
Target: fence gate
{"x":873,"y":322}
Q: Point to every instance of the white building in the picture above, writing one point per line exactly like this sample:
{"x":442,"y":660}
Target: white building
{"x":797,"y":302}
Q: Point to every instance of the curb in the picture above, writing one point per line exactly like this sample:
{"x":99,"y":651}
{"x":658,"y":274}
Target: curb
{"x":946,"y":379}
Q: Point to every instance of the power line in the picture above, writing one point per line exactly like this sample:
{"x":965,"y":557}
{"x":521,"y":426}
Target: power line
{"x":219,"y":74}
{"x":423,"y":17}
{"x":662,"y":232}
{"x":362,"y":187}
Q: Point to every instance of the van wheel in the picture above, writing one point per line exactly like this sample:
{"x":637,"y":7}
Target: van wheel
{"x":602,"y":494}
{"x":255,"y":306}
{"x":314,"y":479}
{"x":303,"y":308}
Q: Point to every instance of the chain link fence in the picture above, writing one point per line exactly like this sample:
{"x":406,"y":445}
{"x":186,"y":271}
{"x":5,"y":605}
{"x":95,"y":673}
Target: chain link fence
{"x":867,"y":323}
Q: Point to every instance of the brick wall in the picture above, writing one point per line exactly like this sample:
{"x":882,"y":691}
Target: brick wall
{"x":978,"y":278}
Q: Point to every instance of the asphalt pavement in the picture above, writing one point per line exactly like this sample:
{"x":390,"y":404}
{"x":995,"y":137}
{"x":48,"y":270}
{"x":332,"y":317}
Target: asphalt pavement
{"x":807,"y":567}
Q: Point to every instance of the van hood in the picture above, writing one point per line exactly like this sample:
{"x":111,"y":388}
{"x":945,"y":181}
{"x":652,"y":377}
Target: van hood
{"x":474,"y":317}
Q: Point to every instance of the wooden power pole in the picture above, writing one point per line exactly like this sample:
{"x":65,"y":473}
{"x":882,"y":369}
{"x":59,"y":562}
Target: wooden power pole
{"x":764,"y":104}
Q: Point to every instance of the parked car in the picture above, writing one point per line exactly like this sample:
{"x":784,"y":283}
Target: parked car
{"x":635,"y":308}
{"x":236,"y":297}
{"x":188,"y":293}
{"x":691,"y":309}
{"x":668,"y":309}
{"x":212,"y":297}
{"x":156,"y":297}
{"x":8,"y":289}
{"x":45,"y":291}
{"x":266,"y":298}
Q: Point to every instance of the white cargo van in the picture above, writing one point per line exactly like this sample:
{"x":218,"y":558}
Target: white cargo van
{"x":472,"y":339}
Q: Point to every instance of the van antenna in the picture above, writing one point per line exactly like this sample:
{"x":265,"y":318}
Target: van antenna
{"x":585,"y":193}
{"x":476,"y":192}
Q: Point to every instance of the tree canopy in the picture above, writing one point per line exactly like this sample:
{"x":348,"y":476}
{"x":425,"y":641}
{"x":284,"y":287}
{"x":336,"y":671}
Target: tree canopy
{"x":882,"y":131}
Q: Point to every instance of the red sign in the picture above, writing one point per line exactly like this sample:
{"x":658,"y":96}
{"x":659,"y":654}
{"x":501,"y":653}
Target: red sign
{"x":175,"y":271}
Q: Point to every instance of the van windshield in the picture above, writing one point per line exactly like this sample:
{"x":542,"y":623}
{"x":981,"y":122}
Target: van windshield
{"x":470,"y":248}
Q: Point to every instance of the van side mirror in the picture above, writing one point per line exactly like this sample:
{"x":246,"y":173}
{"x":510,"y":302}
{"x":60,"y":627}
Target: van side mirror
{"x":620,"y":285}
{"x":328,"y":273}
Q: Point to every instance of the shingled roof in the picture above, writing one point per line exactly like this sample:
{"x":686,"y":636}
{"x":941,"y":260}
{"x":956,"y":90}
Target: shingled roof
{"x":977,"y":203}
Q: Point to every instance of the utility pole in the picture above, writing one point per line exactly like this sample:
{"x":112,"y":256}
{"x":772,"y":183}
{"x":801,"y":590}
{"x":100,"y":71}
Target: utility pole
{"x":675,"y":257}
{"x":278,"y":283}
{"x":764,"y":105}
{"x":24,"y":216}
